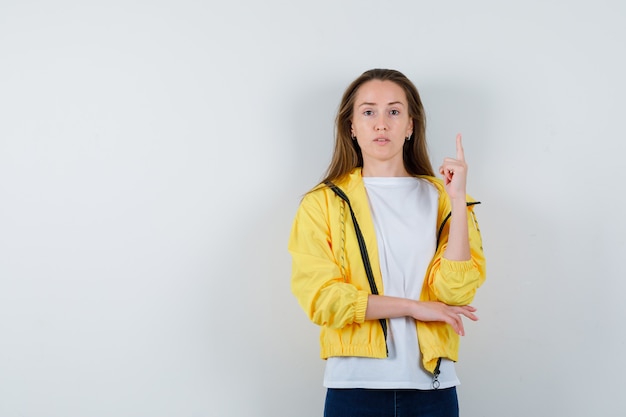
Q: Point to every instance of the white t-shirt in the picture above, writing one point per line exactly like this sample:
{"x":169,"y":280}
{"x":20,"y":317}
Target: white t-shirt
{"x":404,"y":210}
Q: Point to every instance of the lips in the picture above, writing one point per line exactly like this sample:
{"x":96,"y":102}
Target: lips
{"x":381,"y":140}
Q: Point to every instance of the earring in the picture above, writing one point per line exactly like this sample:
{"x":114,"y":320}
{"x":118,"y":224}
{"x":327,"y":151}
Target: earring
{"x":408,"y":138}
{"x":353,"y":137}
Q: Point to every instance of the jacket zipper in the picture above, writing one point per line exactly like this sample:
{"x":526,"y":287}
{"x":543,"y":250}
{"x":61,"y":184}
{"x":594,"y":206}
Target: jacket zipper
{"x":364,"y":255}
{"x":437,"y":371}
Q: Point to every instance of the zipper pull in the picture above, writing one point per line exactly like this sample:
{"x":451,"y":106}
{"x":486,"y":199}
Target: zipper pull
{"x":436,"y":373}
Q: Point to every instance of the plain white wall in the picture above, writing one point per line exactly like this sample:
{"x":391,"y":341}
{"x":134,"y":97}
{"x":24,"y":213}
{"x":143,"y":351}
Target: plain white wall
{"x":152,"y":156}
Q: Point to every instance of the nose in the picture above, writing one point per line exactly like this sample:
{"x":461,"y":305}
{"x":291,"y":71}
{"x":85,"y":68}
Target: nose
{"x":380,"y":123}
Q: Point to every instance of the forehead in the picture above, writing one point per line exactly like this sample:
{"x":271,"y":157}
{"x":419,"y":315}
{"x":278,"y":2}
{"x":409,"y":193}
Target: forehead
{"x":380,"y":92}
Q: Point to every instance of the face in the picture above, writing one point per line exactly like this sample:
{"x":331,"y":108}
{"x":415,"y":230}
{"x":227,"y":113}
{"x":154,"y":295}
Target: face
{"x":381,"y":123}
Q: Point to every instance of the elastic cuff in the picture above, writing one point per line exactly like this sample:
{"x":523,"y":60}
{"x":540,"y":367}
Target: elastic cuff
{"x":360,"y":306}
{"x":457,"y":266}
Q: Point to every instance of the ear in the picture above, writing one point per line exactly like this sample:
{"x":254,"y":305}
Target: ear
{"x":410,"y":131}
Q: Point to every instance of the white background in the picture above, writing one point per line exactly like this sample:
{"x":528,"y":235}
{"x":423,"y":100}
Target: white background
{"x":153,"y":153}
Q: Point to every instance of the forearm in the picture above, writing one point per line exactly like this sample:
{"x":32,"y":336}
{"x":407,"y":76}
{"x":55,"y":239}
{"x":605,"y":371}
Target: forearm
{"x":385,"y":307}
{"x":458,"y":248}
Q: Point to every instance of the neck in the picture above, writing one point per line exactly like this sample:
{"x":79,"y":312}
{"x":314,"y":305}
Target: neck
{"x":384,"y":169}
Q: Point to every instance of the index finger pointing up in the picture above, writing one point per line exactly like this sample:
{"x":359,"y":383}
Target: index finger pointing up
{"x":460,"y":155}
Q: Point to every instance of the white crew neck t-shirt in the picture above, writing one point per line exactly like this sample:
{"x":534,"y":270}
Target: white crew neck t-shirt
{"x":404,"y":210}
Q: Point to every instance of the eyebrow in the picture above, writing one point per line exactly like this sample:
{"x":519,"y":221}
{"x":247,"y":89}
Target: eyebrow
{"x":393,"y":103}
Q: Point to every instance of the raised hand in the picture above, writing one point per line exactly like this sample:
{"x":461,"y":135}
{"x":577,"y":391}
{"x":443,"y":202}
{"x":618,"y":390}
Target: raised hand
{"x":454,"y":172}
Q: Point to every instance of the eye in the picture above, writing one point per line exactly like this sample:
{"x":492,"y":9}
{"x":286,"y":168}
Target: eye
{"x":394,"y":112}
{"x":368,"y":113}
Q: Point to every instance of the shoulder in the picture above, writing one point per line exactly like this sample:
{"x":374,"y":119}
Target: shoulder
{"x":346,"y":183}
{"x":317,"y":197}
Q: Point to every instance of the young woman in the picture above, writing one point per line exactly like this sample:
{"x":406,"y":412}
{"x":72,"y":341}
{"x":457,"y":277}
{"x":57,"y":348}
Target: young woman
{"x":387,"y":258}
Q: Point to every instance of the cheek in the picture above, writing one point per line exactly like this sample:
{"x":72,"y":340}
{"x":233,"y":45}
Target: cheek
{"x":357,"y":126}
{"x":409,"y":126}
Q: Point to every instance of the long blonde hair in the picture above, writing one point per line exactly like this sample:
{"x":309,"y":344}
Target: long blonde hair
{"x":347,"y":154}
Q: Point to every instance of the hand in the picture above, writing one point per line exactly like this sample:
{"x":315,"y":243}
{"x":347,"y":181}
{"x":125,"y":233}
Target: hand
{"x":437,"y":311}
{"x":454,"y":172}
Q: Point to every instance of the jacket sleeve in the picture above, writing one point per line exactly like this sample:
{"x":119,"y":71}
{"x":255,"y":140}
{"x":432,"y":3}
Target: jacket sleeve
{"x":456,"y":282}
{"x":326,"y":297}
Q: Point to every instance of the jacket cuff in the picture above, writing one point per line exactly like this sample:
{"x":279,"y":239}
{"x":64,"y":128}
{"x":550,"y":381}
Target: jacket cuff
{"x":457,"y":266}
{"x":360,"y":306}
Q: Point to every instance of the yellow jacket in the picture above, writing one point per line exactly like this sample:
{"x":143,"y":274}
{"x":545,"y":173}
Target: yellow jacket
{"x":330,"y":283}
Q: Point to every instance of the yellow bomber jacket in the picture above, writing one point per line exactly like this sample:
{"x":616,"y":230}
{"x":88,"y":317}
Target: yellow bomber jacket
{"x":330,"y":283}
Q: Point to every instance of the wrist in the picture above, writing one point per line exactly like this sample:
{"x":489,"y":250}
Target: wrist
{"x":414,"y":306}
{"x":458,"y":200}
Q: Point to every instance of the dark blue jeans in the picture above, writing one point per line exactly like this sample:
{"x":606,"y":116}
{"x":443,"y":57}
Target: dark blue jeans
{"x":391,"y":403}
